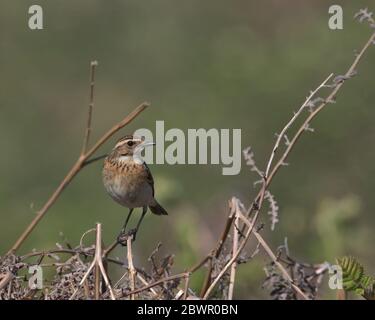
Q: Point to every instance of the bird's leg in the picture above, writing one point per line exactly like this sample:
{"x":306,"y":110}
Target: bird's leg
{"x":122,"y":233}
{"x":134,"y":232}
{"x":127,"y":219}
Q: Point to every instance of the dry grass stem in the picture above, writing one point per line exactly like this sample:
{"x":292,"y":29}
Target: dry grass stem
{"x":132,"y":271}
{"x":96,"y":263}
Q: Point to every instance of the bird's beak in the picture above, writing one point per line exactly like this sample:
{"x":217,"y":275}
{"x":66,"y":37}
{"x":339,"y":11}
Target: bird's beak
{"x":143,"y":145}
{"x":147,"y":144}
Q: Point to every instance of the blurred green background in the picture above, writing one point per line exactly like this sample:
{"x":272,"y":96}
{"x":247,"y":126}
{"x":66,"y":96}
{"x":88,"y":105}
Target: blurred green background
{"x":212,"y":64}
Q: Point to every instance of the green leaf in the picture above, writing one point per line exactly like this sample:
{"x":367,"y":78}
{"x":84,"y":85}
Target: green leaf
{"x":354,"y":278}
{"x":367,"y":281}
{"x":352,"y":273}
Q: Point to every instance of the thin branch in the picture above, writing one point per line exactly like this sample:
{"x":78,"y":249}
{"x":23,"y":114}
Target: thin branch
{"x":186,"y":288}
{"x":131,"y":269}
{"x":86,"y":140}
{"x":73,"y":252}
{"x":5,"y":278}
{"x":97,"y":262}
{"x":143,"y":280}
{"x":291,"y":121}
{"x":74,"y":171}
{"x":329,"y":98}
{"x":216,"y":252}
{"x":270,"y":173}
{"x":151,"y":285}
{"x":234,"y":264}
{"x":235,"y":254}
{"x":97,"y":282}
{"x":278,"y":264}
{"x":110,"y":248}
{"x":87,"y":162}
{"x":200,"y":264}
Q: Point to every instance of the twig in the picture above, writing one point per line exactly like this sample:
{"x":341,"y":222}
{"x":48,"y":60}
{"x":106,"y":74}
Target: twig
{"x":151,"y":285}
{"x":250,"y":225}
{"x":186,"y":288}
{"x":200,"y":264}
{"x":216,"y":252}
{"x":269,"y":175}
{"x":97,"y":262}
{"x":80,"y":163}
{"x":234,"y":264}
{"x":291,"y":121}
{"x":93,"y":65}
{"x":143,"y":280}
{"x":110,"y":248}
{"x":278,"y":264}
{"x":87,"y":289}
{"x":5,"y":279}
{"x":131,"y":268}
{"x":73,"y":252}
{"x":84,"y":235}
{"x":329,"y":98}
{"x":94,"y":160}
{"x":97,"y":282}
{"x":234,"y":254}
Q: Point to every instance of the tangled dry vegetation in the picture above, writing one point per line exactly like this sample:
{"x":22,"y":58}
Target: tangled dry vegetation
{"x":81,"y":272}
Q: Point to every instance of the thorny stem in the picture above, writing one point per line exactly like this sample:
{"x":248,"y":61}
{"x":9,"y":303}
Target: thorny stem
{"x":291,"y":121}
{"x":329,"y":98}
{"x":240,"y":248}
{"x":258,"y":201}
{"x":278,"y":264}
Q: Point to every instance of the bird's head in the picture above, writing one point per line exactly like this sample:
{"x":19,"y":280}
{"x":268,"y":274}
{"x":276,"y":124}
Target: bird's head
{"x":131,"y":145}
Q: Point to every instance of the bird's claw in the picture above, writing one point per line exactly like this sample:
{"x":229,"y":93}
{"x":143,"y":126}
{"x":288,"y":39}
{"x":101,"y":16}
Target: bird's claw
{"x":123,"y":236}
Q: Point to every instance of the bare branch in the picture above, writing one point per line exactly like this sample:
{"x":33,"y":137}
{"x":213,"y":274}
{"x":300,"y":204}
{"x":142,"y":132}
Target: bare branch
{"x":278,"y":264}
{"x":234,"y":264}
{"x":86,"y":140}
{"x":132,"y":271}
{"x":74,"y":171}
{"x":97,"y":263}
{"x":291,"y":121}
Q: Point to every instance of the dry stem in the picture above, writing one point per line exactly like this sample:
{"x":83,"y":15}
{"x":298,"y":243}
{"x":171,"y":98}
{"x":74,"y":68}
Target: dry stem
{"x":86,"y":140}
{"x":234,"y":264}
{"x":132,"y":271}
{"x":82,"y":160}
{"x":270,"y":173}
{"x":97,"y":263}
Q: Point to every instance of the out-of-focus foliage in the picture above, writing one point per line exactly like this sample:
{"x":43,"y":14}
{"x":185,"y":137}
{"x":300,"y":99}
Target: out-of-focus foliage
{"x":355,"y":279}
{"x":333,"y":219}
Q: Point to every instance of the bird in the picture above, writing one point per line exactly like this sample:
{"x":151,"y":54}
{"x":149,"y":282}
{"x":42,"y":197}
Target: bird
{"x":128,"y":180}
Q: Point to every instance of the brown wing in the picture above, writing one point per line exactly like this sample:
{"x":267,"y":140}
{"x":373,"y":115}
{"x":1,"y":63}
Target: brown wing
{"x":149,"y":178}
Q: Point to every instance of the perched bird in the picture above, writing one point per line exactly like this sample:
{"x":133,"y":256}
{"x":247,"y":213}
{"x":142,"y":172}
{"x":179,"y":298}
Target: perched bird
{"x":128,"y":180}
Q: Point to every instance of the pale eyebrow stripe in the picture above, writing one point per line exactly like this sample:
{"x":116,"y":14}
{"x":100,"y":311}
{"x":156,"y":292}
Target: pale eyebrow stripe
{"x":122,"y":142}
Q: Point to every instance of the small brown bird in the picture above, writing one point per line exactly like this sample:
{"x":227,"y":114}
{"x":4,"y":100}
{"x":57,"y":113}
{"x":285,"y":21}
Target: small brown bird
{"x":128,"y":180}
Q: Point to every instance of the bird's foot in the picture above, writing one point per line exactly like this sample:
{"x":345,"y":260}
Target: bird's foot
{"x":123,"y":237}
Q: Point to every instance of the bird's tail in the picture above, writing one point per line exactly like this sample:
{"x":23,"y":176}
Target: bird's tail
{"x":158,"y":209}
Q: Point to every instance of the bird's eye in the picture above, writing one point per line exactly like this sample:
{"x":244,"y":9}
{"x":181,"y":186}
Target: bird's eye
{"x":130,"y":143}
